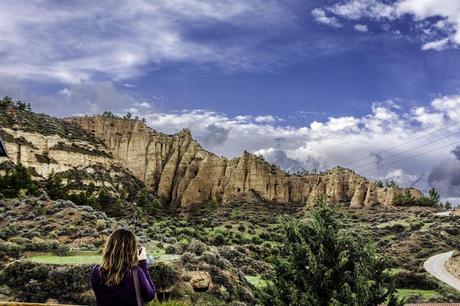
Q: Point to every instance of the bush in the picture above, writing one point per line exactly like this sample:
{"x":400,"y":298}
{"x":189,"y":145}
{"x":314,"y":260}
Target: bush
{"x":10,"y":249}
{"x":320,"y":264}
{"x":164,"y":275}
{"x":101,"y":224}
{"x":33,"y":282}
{"x":219,"y":239}
{"x":411,"y":280}
{"x":170,"y":249}
{"x":197,"y":247}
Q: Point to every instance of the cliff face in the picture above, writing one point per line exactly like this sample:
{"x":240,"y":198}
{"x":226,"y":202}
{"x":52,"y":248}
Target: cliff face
{"x":183,"y":174}
{"x":49,"y":145}
{"x":118,"y":153}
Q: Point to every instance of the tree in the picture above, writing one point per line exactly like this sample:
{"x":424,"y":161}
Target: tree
{"x":54,"y":187}
{"x":108,"y":114}
{"x":321,"y":264}
{"x":17,"y":181}
{"x":434,"y":196}
{"x":448,"y":206}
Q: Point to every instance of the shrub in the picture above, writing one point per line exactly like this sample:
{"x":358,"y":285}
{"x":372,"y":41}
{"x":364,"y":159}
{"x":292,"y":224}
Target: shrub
{"x":197,"y":247}
{"x":411,"y":280}
{"x":164,"y":275}
{"x":170,"y":249}
{"x":34,"y":282}
{"x":10,"y":249}
{"x":219,"y":239}
{"x":101,"y":224}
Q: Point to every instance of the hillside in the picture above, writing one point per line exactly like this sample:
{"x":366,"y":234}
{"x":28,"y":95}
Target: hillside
{"x":125,"y":154}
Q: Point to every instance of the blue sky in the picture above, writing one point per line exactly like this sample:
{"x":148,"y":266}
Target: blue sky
{"x":304,"y":83}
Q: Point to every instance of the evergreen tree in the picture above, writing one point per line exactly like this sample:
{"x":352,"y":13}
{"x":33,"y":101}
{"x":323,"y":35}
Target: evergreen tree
{"x":448,"y":206}
{"x":17,"y":181}
{"x":434,"y":196}
{"x":54,"y":187}
{"x":321,"y":264}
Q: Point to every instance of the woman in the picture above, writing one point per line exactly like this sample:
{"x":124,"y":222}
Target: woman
{"x":113,"y":281}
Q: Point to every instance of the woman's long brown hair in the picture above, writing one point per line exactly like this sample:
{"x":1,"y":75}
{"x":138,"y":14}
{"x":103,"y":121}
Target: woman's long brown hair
{"x":119,"y":256}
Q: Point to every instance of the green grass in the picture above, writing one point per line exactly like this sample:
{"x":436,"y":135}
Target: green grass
{"x":392,"y":223}
{"x":93,"y":258}
{"x":425,"y":294}
{"x":257,"y":281}
{"x":66,"y":260}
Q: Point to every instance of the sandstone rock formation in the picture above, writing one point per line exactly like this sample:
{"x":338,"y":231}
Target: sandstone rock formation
{"x":453,"y":264}
{"x":174,"y":167}
{"x":183,"y":174}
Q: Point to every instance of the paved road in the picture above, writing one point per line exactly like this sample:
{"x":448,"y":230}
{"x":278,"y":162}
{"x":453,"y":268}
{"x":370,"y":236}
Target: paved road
{"x":444,"y":213}
{"x":435,"y":266}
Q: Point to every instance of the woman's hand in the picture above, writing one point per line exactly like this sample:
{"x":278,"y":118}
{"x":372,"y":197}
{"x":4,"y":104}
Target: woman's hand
{"x":143,"y":254}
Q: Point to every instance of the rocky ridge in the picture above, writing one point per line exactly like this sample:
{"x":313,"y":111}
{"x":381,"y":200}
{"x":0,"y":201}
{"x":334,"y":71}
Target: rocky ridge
{"x":174,"y":167}
{"x":183,"y":174}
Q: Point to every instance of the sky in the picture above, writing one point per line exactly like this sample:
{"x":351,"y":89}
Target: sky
{"x":373,"y":85}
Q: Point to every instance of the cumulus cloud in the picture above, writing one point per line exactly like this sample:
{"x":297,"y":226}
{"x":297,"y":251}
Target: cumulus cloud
{"x":320,"y":16}
{"x":76,"y":43}
{"x":436,"y":23}
{"x":361,"y":28}
{"x":446,"y":175}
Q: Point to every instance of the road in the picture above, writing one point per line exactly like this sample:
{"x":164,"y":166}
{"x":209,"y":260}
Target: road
{"x":436,"y":266}
{"x":444,"y":213}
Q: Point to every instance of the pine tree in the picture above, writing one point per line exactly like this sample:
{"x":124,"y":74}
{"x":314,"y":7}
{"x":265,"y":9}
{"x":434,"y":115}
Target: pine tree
{"x":54,"y":187}
{"x":321,"y":264}
{"x":434,"y":196}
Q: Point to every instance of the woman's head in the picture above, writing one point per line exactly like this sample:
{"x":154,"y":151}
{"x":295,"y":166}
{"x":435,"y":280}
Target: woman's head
{"x":119,"y":255}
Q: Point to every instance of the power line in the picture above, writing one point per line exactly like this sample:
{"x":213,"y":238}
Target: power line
{"x":402,"y":144}
{"x":410,"y":150}
{"x":398,"y":161}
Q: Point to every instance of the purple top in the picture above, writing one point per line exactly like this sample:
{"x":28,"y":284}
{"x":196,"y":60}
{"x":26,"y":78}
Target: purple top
{"x":123,"y":294}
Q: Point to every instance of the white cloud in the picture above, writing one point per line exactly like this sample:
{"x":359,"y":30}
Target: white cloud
{"x":437,"y":22}
{"x":361,"y":28}
{"x":437,"y":45}
{"x":116,"y":39}
{"x":321,"y":17}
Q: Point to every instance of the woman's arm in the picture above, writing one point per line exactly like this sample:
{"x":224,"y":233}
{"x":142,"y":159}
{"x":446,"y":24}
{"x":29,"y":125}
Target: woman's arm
{"x":145,"y":281}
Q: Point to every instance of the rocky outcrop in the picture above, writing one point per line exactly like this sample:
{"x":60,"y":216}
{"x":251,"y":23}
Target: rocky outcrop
{"x":183,"y":174}
{"x":453,"y":264}
{"x":174,"y":167}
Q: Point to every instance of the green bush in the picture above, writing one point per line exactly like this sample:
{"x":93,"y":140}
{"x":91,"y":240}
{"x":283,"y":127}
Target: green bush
{"x":321,"y":264}
{"x":219,"y":239}
{"x":164,"y":275}
{"x":10,"y":249}
{"x":16,"y":182}
{"x":411,"y":280}
{"x":33,"y":282}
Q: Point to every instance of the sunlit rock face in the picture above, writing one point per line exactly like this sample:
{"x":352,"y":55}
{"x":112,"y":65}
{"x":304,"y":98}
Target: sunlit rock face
{"x":174,"y":167}
{"x":183,"y":174}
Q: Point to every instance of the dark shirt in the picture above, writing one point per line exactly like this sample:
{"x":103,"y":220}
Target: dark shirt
{"x":124,"y":293}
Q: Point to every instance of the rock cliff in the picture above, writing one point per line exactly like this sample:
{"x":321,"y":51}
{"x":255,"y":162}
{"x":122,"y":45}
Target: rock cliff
{"x":116,"y":152}
{"x":183,"y":174}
